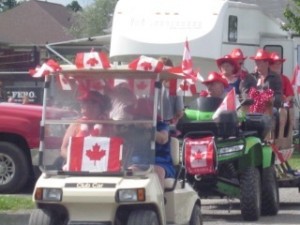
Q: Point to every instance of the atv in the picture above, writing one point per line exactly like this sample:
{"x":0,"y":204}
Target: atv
{"x":103,"y":179}
{"x":229,"y":156}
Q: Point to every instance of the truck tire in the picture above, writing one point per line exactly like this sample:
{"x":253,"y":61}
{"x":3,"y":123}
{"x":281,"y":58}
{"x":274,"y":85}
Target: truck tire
{"x":250,"y":185}
{"x":270,"y":192}
{"x":146,"y":217}
{"x":40,"y":217}
{"x":196,"y":217}
{"x":14,"y":168}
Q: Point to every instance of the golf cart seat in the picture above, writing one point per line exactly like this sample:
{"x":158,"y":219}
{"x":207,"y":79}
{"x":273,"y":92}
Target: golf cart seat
{"x":170,"y":183}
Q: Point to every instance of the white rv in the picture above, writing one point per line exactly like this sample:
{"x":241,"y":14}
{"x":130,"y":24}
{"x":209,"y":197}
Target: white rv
{"x":213,"y":28}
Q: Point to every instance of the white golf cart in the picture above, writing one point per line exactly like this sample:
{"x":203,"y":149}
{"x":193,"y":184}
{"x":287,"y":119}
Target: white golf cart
{"x":109,"y":179}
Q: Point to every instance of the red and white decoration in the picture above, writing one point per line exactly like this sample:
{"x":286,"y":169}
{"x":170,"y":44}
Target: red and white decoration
{"x":144,"y":63}
{"x":64,"y":82}
{"x":187,"y":63}
{"x":94,"y":154}
{"x":184,"y":87}
{"x":296,"y":79}
{"x":230,"y":103}
{"x":200,"y":155}
{"x":48,"y":67}
{"x":95,"y":60}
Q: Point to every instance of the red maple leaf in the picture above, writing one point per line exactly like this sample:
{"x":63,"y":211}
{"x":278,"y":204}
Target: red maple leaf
{"x":184,"y":86}
{"x":142,"y":85}
{"x":146,"y":65}
{"x":198,"y":155}
{"x":96,"y":153}
{"x":92,"y":61}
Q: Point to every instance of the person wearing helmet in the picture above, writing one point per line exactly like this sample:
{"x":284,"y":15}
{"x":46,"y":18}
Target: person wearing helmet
{"x":266,"y":77}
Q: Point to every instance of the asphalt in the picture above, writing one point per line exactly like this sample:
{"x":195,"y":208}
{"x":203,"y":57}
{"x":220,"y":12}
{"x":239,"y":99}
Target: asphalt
{"x":20,"y":217}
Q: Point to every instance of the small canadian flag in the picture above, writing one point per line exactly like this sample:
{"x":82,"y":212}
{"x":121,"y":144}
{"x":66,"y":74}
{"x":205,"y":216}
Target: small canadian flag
{"x":142,"y":87}
{"x":96,"y":60}
{"x":94,"y":154}
{"x":199,"y":155}
{"x":144,"y":63}
{"x":230,"y":103}
{"x":182,"y":87}
{"x":46,"y":68}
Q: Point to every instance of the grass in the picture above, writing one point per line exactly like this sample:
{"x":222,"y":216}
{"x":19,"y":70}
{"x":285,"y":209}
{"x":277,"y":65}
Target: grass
{"x":12,"y":202}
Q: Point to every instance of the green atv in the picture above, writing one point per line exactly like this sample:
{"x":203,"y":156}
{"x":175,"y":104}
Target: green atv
{"x":228,"y":157}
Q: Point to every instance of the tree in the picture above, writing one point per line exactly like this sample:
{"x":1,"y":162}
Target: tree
{"x":292,"y":15}
{"x":7,"y":4}
{"x":94,"y":19}
{"x":74,"y":6}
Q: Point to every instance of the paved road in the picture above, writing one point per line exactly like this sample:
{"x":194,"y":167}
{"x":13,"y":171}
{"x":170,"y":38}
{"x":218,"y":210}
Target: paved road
{"x":218,"y":211}
{"x":215,"y":212}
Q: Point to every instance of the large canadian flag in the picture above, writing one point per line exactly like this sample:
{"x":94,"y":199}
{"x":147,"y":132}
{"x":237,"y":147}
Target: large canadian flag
{"x":88,"y":60}
{"x":230,"y":103}
{"x":94,"y":154}
{"x":199,"y":155}
{"x":144,"y":63}
{"x":48,"y":67}
{"x":296,"y":78}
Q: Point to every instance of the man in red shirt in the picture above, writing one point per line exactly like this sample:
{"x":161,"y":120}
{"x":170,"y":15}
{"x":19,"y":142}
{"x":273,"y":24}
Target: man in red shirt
{"x":287,"y":89}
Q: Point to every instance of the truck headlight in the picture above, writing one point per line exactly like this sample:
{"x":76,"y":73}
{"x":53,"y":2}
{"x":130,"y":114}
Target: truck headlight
{"x":230,"y":149}
{"x":48,"y":194}
{"x":131,"y":195}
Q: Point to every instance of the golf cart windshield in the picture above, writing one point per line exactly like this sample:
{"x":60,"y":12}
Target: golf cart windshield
{"x":112,"y":124}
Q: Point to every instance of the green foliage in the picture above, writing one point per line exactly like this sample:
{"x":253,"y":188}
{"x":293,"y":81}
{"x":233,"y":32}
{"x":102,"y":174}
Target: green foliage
{"x":8,"y":202}
{"x":292,"y":15}
{"x":94,"y":19}
{"x":74,"y":6}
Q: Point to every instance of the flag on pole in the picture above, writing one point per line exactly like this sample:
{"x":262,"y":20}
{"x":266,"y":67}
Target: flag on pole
{"x":187,"y":63}
{"x":230,"y":103}
{"x":46,"y":68}
{"x":144,"y":63}
{"x":94,"y":154}
{"x":95,"y":60}
{"x":296,"y":78}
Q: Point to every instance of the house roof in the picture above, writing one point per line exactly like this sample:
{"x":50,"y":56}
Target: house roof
{"x":35,"y":23}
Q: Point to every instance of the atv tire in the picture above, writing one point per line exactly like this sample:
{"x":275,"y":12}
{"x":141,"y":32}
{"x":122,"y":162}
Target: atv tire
{"x":250,"y":184}
{"x":146,"y":217}
{"x":196,"y":217}
{"x":14,"y":168}
{"x":270,"y":192}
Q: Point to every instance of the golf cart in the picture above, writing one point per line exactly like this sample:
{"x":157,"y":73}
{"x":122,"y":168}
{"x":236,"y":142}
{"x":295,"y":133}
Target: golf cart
{"x":109,"y":179}
{"x":242,"y":164}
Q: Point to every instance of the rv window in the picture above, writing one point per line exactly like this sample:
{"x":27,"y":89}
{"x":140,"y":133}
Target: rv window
{"x":232,"y":28}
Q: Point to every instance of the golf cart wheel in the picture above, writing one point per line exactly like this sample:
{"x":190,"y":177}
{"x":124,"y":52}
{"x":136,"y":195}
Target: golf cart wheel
{"x":40,"y":217}
{"x":250,"y":184}
{"x":270,"y":192}
{"x":147,"y":217}
{"x":196,"y":218}
{"x":14,"y":169}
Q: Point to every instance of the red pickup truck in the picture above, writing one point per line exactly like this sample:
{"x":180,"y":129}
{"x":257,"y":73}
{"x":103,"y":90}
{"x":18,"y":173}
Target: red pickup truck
{"x":19,"y":144}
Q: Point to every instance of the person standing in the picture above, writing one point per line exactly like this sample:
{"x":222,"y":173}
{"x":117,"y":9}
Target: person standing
{"x":247,"y":80}
{"x":266,"y":77}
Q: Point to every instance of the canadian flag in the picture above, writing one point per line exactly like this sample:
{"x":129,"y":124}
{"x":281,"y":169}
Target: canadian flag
{"x":199,"y":155}
{"x":142,"y":87}
{"x":187,"y":63}
{"x":182,"y":87}
{"x":144,"y":63}
{"x":46,"y":68}
{"x":230,"y":103}
{"x":96,"y":60}
{"x":296,"y":78}
{"x":94,"y":154}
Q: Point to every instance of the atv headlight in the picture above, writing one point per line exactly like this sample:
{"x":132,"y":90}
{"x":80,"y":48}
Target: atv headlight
{"x":230,"y":149}
{"x":48,"y":194}
{"x":131,"y":195}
